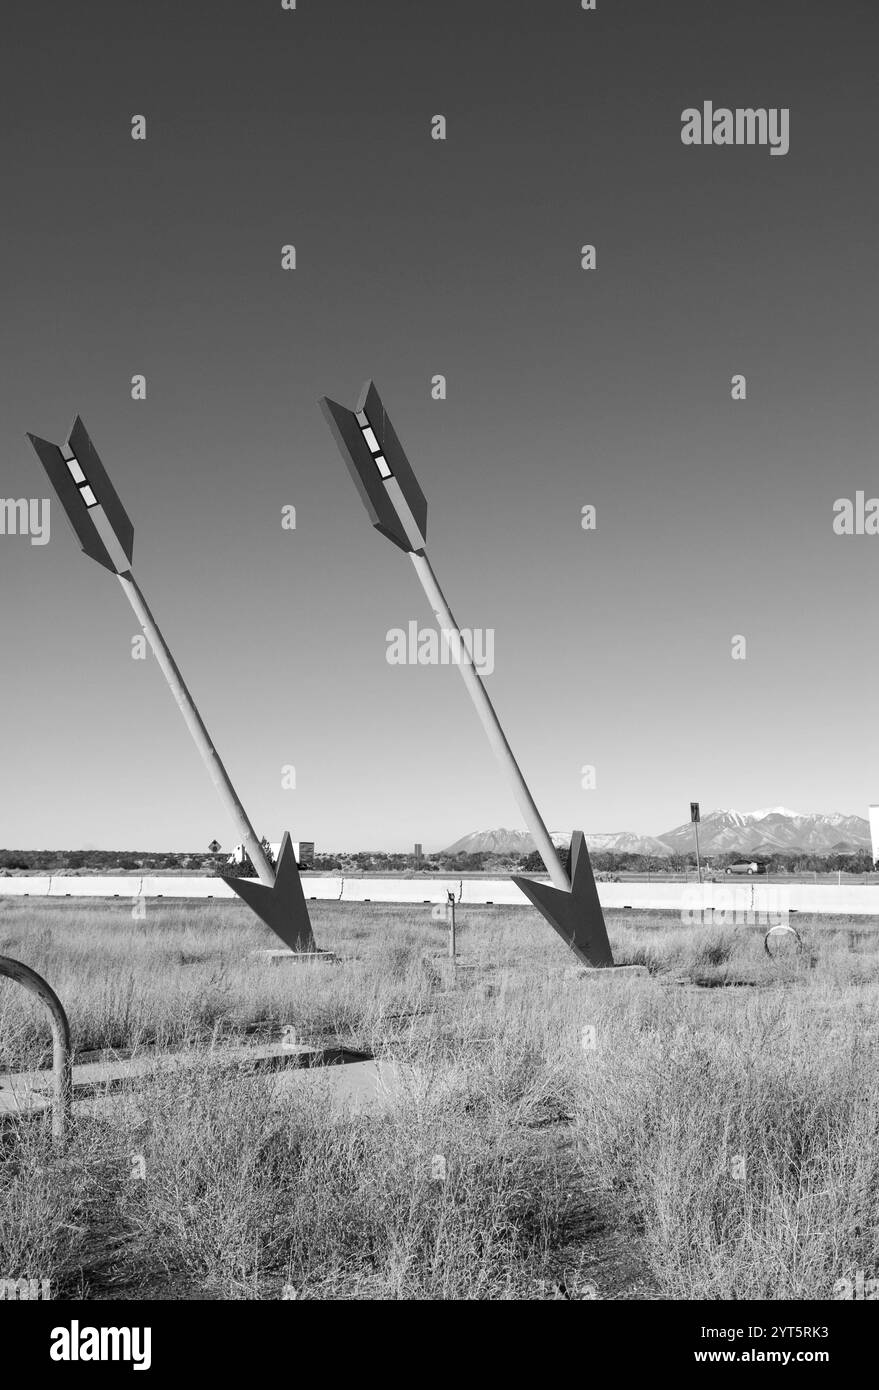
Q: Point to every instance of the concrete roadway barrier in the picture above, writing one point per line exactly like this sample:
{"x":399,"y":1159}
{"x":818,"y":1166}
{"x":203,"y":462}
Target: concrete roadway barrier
{"x":395,"y":890}
{"x":25,"y":886}
{"x":857,"y":900}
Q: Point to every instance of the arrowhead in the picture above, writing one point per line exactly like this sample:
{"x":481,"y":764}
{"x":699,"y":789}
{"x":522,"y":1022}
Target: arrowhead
{"x":282,"y":907}
{"x":576,"y":916}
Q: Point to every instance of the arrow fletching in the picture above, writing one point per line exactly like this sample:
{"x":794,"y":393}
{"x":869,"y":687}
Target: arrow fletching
{"x":382,"y":474}
{"x":90,"y":501}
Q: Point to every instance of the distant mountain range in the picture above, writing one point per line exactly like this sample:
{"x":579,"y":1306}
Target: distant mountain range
{"x":775,"y":829}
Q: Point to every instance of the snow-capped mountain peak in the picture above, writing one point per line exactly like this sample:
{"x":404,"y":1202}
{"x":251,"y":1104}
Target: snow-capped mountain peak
{"x":773,"y":829}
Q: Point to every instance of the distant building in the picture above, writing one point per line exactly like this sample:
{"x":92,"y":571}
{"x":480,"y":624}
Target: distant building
{"x":303,"y":850}
{"x":418,"y":854}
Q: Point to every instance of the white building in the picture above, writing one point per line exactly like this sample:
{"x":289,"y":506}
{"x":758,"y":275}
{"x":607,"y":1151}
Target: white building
{"x":303,"y":849}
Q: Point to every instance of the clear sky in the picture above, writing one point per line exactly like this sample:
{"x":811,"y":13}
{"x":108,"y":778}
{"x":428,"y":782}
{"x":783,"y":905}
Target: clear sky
{"x":565,"y":388}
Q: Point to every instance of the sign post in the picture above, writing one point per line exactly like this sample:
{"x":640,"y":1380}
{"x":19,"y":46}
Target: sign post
{"x":383,"y":476}
{"x":105,"y":533}
{"x":694,"y":817}
{"x":874,"y":834}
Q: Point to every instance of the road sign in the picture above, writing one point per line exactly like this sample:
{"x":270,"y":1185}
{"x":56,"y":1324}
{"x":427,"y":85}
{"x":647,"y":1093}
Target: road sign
{"x":694,"y":817}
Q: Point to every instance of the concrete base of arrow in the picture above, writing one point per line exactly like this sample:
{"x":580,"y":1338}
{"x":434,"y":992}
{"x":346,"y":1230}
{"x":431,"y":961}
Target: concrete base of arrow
{"x":609,"y":972}
{"x":297,"y":957}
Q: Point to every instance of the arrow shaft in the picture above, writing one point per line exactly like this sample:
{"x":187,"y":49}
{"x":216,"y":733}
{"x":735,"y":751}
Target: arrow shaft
{"x":194,"y":722}
{"x":491,"y":724}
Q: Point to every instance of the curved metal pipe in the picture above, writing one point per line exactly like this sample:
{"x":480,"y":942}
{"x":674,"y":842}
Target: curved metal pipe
{"x":62,"y":1068}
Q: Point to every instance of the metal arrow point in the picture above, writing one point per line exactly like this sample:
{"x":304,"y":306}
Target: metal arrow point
{"x":576,"y":915}
{"x":105,"y":533}
{"x":397,"y":508}
{"x":282,"y":907}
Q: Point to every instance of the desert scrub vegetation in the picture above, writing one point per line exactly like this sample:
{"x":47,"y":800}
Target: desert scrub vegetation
{"x":213,"y":1182}
{"x":54,"y":1208}
{"x":188,"y":974}
{"x":720,"y":1117}
{"x":740,"y":1137}
{"x":253,"y":1197}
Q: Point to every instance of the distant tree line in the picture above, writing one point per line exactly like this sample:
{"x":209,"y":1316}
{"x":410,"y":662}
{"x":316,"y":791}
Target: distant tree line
{"x":102,"y":861}
{"x":604,"y":861}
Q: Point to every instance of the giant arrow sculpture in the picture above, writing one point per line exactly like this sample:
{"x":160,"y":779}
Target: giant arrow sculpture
{"x":397,"y":507}
{"x":103,"y":529}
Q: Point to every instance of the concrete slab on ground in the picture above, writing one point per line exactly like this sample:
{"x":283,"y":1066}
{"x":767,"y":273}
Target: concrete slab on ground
{"x":353,"y":1079}
{"x":359,"y":1088}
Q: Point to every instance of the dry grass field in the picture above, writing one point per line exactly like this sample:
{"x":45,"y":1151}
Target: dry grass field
{"x":709,"y":1132}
